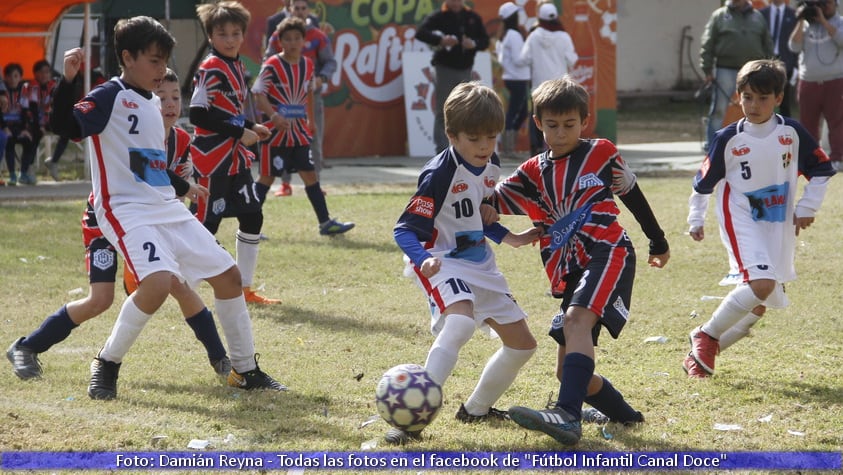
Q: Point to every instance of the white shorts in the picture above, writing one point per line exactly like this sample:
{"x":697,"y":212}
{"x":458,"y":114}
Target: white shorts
{"x":186,"y":249}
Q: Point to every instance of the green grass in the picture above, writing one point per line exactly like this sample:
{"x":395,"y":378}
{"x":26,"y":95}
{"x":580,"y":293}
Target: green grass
{"x":348,"y":311}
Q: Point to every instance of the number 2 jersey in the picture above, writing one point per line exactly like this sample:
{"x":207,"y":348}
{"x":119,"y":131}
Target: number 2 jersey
{"x":754,"y":169}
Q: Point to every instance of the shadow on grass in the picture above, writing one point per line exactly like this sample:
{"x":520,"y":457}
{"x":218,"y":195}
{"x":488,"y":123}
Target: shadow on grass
{"x":341,"y":241}
{"x":804,"y":391}
{"x":334,"y":323}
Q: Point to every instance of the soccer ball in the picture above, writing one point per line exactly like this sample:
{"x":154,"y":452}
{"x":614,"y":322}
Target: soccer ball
{"x":407,"y":398}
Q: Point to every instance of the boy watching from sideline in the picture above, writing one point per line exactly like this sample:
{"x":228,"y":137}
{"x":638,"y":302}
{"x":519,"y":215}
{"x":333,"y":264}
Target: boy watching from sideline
{"x":220,"y":155}
{"x":281,"y":94}
{"x":758,"y":159}
{"x":136,"y":205}
{"x":590,"y":261}
{"x":443,"y":234}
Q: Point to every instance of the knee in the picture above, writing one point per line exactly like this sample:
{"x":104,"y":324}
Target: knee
{"x":762,"y":288}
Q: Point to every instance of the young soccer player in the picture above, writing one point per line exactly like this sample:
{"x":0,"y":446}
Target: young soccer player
{"x":442,"y":233}
{"x":588,"y":257}
{"x":136,"y":207}
{"x":281,"y":93}
{"x":754,"y":164}
{"x":219,"y":151}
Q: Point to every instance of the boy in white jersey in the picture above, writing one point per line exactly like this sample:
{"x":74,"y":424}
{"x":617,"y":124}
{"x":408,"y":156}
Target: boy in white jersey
{"x":136,"y":206}
{"x":753,"y":165}
{"x":443,"y":234}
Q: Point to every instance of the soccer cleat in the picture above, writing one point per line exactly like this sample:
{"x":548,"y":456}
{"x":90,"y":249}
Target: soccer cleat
{"x":284,"y":190}
{"x":13,"y":179}
{"x":254,"y":379}
{"x":395,"y":436}
{"x":129,"y":282}
{"x":693,"y":369}
{"x":103,"y":383}
{"x":333,"y":227}
{"x":27,"y":179}
{"x":557,"y":423}
{"x":493,"y":414}
{"x":253,"y":297}
{"x":222,"y":367}
{"x":704,"y":349}
{"x":24,"y":361}
{"x":53,"y":169}
{"x":593,"y":416}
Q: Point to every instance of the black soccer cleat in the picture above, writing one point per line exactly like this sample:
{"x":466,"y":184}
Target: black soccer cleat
{"x":103,"y":385}
{"x":396,"y":436}
{"x":254,"y":379}
{"x":493,"y":415}
{"x":24,"y":361}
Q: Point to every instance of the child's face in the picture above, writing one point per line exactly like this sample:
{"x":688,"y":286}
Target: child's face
{"x":227,"y":39}
{"x":476,"y":149}
{"x":170,"y":97}
{"x":146,"y":70}
{"x":12,"y":79}
{"x":758,"y":107}
{"x":292,"y":43}
{"x":43,"y":75}
{"x":561,"y":131}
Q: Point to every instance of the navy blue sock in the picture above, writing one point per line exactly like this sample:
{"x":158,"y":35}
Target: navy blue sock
{"x":261,"y":190}
{"x":317,"y":200}
{"x":610,"y":401}
{"x":577,"y":369}
{"x":53,"y":329}
{"x":206,"y":332}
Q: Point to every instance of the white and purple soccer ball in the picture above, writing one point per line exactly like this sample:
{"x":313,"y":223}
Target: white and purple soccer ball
{"x":407,"y":398}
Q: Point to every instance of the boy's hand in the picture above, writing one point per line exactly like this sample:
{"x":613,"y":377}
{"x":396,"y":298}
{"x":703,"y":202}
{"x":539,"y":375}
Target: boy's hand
{"x":73,"y":61}
{"x":262,"y":131}
{"x":488,"y":214}
{"x":249,"y":137}
{"x":197,"y":192}
{"x":280,"y":122}
{"x":659,"y":260}
{"x":525,"y":237}
{"x":430,"y":266}
{"x":697,"y":233}
{"x":802,"y":223}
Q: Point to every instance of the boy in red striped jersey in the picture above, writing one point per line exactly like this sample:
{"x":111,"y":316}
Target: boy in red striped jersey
{"x":588,"y":257}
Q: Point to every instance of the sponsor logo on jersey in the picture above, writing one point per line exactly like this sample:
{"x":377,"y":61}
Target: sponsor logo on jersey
{"x":740,"y":151}
{"x":621,"y":308}
{"x":129,"y":104}
{"x":785,"y":139}
{"x":84,"y":106}
{"x":422,"y":206}
{"x":769,"y":203}
{"x":218,"y":206}
{"x":102,"y":259}
{"x":787,"y":157}
{"x":587,"y":181}
{"x":459,"y":187}
{"x":489,"y":182}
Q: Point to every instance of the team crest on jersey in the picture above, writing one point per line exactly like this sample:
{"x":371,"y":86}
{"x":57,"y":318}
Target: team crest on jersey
{"x":587,"y":181}
{"x":740,"y":151}
{"x":102,"y":259}
{"x":787,"y":157}
{"x":422,"y":206}
{"x":459,"y":187}
{"x":621,"y":308}
{"x":129,"y":104}
{"x":558,"y":321}
{"x":218,"y":206}
{"x":785,"y":139}
{"x":84,"y":106}
{"x":278,"y":162}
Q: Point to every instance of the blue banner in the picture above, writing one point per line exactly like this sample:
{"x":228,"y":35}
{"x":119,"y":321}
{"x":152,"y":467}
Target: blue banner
{"x":514,"y":461}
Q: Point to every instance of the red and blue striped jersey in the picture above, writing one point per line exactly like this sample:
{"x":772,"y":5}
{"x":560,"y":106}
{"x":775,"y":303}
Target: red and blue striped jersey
{"x":178,"y":153}
{"x":286,"y":86}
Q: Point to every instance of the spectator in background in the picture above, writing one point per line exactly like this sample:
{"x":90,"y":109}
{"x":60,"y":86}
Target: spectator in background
{"x":40,"y":93}
{"x":781,"y":19}
{"x":318,"y":48}
{"x":456,"y":33}
{"x":735,"y":34}
{"x":4,"y":106}
{"x":819,"y":39}
{"x":285,"y":11}
{"x":550,"y":53}
{"x":19,"y":126}
{"x":516,"y":76}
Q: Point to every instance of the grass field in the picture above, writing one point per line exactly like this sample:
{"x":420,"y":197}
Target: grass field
{"x":348,"y":315}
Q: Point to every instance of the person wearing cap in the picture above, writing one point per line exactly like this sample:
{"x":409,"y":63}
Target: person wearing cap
{"x":550,"y":54}
{"x":456,"y":33}
{"x":516,"y":75}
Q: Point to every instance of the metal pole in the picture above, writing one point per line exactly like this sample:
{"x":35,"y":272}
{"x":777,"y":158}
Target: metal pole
{"x":86,"y":46}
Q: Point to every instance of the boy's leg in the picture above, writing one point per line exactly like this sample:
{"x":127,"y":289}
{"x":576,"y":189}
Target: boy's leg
{"x":741,"y":329}
{"x":200,"y":320}
{"x":302,"y":162}
{"x":457,"y":330}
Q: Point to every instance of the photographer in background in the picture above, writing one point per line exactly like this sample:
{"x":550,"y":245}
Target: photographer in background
{"x":781,"y":20}
{"x":819,"y":39}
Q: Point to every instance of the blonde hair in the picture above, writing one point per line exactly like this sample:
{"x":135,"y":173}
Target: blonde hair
{"x":473,"y":108}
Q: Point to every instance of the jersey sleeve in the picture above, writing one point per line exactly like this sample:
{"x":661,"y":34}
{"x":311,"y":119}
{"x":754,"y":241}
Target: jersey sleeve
{"x":813,"y":161}
{"x":519,"y":192}
{"x":420,"y":214}
{"x":94,"y":110}
{"x":713,"y":168}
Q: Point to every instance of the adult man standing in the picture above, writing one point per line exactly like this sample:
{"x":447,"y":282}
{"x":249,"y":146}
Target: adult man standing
{"x":735,"y":33}
{"x":457,"y":33}
{"x":819,"y":39}
{"x":781,"y":19}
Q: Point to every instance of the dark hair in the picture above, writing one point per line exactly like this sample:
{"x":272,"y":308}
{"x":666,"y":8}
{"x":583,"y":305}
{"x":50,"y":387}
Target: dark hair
{"x":764,"y":76}
{"x":218,"y":14}
{"x":558,"y":96}
{"x":291,"y":23}
{"x":511,"y":23}
{"x":171,"y":76}
{"x":41,"y":63}
{"x":12,"y":67}
{"x":138,"y":34}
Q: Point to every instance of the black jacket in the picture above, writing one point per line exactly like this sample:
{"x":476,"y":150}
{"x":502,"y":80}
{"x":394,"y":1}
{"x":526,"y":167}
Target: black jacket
{"x":460,"y":24}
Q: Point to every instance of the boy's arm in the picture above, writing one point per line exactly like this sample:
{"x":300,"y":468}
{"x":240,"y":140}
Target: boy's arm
{"x":636,"y":203}
{"x":201,"y":117}
{"x":62,"y":120}
{"x":409,"y":242}
{"x":697,"y":207}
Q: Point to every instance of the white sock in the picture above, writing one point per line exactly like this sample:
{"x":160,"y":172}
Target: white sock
{"x":127,"y":328}
{"x":443,"y":355}
{"x":738,"y":331}
{"x":738,"y":303}
{"x":237,"y":328}
{"x":498,"y":375}
{"x":247,"y":255}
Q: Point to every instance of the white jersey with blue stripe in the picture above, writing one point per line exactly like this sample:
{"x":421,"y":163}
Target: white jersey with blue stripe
{"x":129,"y":165}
